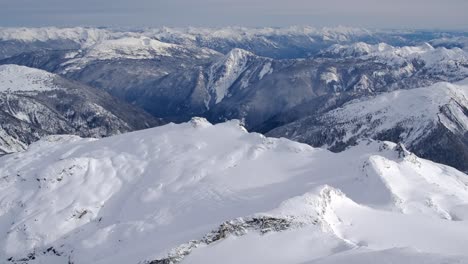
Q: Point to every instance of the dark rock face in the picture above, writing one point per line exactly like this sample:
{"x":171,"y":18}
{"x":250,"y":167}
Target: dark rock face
{"x":443,"y":146}
{"x":237,"y":227}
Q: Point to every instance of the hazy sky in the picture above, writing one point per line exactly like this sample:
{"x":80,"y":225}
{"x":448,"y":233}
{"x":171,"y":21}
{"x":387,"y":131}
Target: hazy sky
{"x":442,"y":14}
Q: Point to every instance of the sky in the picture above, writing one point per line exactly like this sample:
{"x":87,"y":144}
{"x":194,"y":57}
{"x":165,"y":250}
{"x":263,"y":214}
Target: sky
{"x":420,"y":14}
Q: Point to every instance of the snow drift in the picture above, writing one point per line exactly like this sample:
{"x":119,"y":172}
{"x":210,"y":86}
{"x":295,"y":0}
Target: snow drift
{"x":203,"y":193}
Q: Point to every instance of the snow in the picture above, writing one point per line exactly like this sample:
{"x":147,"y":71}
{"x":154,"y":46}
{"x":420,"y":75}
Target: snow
{"x":132,"y":48}
{"x":137,"y":197}
{"x":83,"y":36}
{"x":244,"y":34}
{"x":256,"y":248}
{"x":267,"y":69}
{"x":330,"y":76}
{"x":381,"y":49}
{"x":389,"y":256}
{"x":436,"y":59}
{"x":418,"y":111}
{"x":15,"y":78}
{"x":80,"y":34}
{"x":9,"y":144}
{"x":226,"y":71}
{"x":135,"y":48}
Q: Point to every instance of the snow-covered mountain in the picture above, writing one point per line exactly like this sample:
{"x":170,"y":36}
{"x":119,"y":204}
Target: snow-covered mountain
{"x":131,"y":48}
{"x":80,"y":35}
{"x":225,"y":74}
{"x":451,"y":42}
{"x":431,"y":121}
{"x":328,"y":81}
{"x":178,"y":81}
{"x":35,"y":103}
{"x":440,"y":60}
{"x":203,"y":193}
{"x":236,"y":70}
{"x":279,"y":43}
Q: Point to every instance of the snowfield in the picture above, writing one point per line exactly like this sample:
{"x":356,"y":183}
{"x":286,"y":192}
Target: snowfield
{"x":15,"y":78}
{"x":203,"y":193}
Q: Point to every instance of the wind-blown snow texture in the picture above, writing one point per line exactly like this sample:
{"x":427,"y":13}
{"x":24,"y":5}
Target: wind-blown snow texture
{"x":203,"y":193}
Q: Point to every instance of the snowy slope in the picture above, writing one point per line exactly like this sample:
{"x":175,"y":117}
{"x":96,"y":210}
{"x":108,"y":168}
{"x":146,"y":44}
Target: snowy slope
{"x":418,"y":118}
{"x":416,"y":111}
{"x":225,"y":72}
{"x":132,"y":48}
{"x":35,"y":103}
{"x":203,"y":193}
{"x":83,"y":36}
{"x":435,"y":60}
{"x":18,"y":78}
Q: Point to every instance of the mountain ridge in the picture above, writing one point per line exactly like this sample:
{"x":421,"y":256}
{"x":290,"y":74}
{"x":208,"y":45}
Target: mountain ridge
{"x":35,"y":103}
{"x":235,"y":187}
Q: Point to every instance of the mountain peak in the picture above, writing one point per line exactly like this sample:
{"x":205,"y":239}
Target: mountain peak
{"x":226,"y":71}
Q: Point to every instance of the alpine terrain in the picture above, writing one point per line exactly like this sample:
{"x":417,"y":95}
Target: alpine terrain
{"x":277,"y":81}
{"x":35,"y":103}
{"x":200,"y":145}
{"x":202,"y":193}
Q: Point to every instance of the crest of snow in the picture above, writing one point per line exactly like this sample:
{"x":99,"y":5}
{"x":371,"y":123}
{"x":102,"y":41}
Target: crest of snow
{"x":121,"y":48}
{"x":133,"y":48}
{"x":199,"y":122}
{"x":224,"y":73}
{"x":134,"y":197}
{"x":267,"y":69}
{"x":137,"y":48}
{"x":15,"y":78}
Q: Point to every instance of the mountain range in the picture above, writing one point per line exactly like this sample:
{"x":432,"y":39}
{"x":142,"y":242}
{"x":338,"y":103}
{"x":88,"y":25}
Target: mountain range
{"x":252,"y":74}
{"x":233,"y":145}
